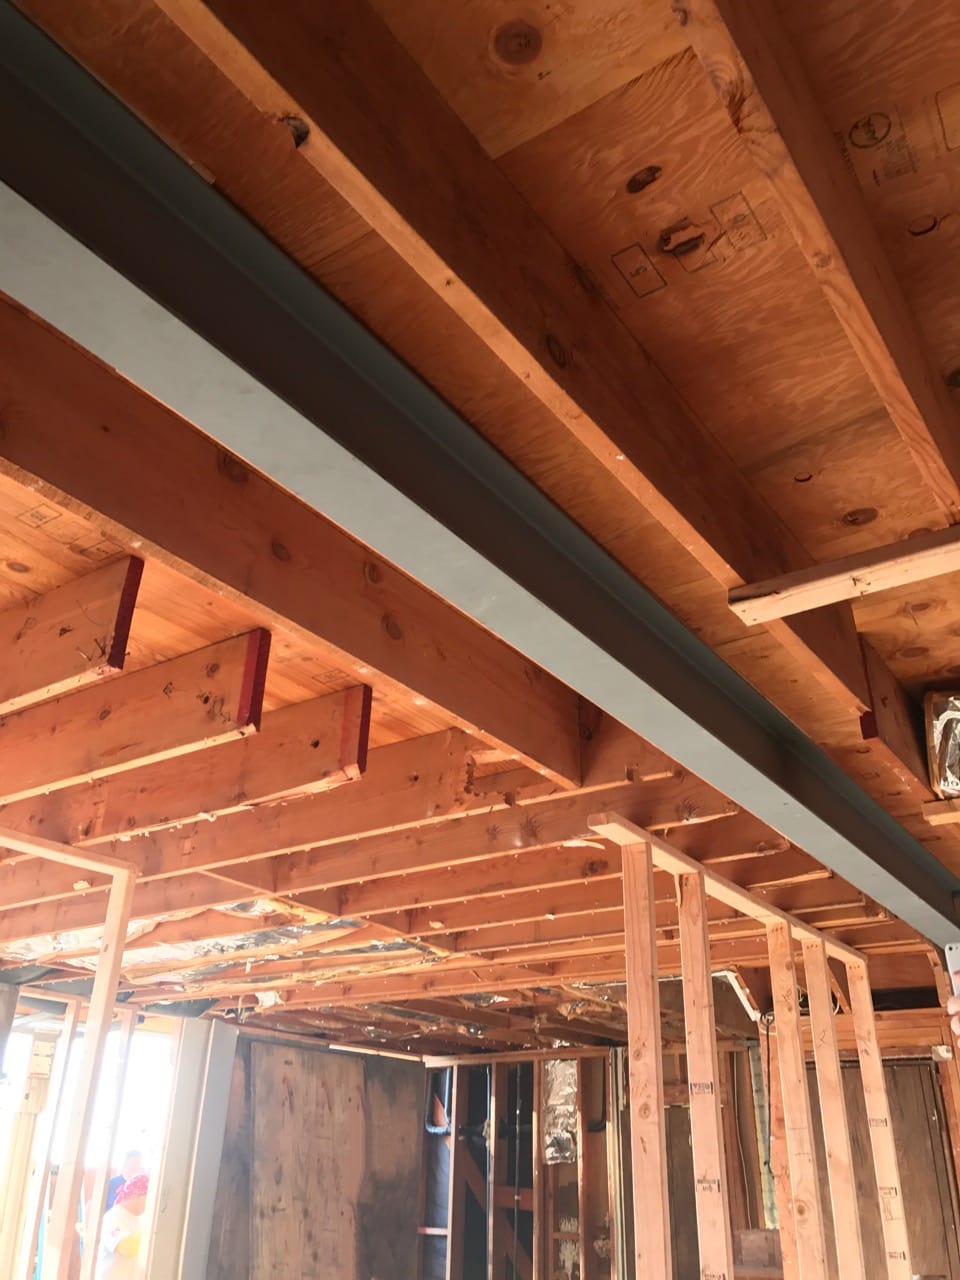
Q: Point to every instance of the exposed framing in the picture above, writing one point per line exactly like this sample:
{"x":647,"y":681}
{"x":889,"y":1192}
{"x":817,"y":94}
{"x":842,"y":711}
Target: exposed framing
{"x":123,"y":879}
{"x":642,"y":851}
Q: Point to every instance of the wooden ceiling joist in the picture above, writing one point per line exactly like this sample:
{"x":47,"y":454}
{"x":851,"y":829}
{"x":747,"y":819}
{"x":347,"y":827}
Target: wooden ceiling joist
{"x":188,"y":892}
{"x":751,"y":63}
{"x":299,"y":750}
{"x":411,"y":812}
{"x":551,"y":326}
{"x":69,"y":637}
{"x":305,"y":577}
{"x":204,"y":698}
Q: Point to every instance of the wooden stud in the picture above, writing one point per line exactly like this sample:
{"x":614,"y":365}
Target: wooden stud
{"x":895,"y":1236}
{"x":583,"y":1192}
{"x":752,"y":64}
{"x":99,"y":1018}
{"x":70,"y":636}
{"x":18,"y":1161}
{"x":456,"y":1182}
{"x":806,"y":1213}
{"x":913,"y":560}
{"x":779,"y":1168}
{"x":98,"y":1199}
{"x":37,"y":847}
{"x":833,"y":1113}
{"x":259,"y":546}
{"x":648,"y":1130}
{"x":299,"y":750}
{"x":196,"y":701}
{"x":533,"y":327}
{"x":496,"y":1219}
{"x":536,"y":1154}
{"x":706,"y":1125}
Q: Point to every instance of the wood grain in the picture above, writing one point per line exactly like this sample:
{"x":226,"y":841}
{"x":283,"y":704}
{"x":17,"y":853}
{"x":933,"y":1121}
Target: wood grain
{"x":833,"y":1111}
{"x":378,"y":622}
{"x":882,"y":1140}
{"x":303,"y":749}
{"x":559,"y":337}
{"x":163,"y":712}
{"x":71,"y":636}
{"x":804,"y":1185}
{"x":706,"y":1126}
{"x":748,"y":57}
{"x":648,"y":1140}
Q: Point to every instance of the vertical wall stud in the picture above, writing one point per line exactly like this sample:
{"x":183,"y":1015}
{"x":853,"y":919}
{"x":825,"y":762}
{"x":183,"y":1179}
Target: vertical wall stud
{"x":833,"y":1112}
{"x":709,"y":1166}
{"x":648,"y":1129}
{"x":807,"y":1214}
{"x":895,"y":1238}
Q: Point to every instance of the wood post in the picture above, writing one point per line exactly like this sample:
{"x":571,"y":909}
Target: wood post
{"x":895,"y":1237}
{"x":653,"y":1254}
{"x":833,"y":1113}
{"x":99,"y":1016}
{"x":806,"y":1209}
{"x":709,"y":1166}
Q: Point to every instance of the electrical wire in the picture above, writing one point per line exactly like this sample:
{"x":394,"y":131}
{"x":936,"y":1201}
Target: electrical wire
{"x":766,"y":1021}
{"x":743,"y":1160}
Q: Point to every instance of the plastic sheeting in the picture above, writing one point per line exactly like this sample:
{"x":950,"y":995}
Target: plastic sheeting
{"x":943,"y":735}
{"x":560,"y":1111}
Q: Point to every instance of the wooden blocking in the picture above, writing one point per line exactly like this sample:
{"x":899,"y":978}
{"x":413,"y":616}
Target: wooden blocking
{"x":941,"y":813}
{"x":706,"y":1131}
{"x":806,"y":1213}
{"x":927,"y":555}
{"x":69,"y":637}
{"x":895,"y":1237}
{"x":199,"y":700}
{"x":894,"y":723}
{"x":648,"y":1133}
{"x":300,"y":750}
{"x":833,"y":1110}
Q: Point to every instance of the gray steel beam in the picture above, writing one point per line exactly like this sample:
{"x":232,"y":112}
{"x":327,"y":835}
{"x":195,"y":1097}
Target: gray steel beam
{"x":112,"y":238}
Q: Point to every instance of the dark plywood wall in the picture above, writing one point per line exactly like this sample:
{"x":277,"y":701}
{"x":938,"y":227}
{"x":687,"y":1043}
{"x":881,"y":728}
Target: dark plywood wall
{"x":320,"y":1170}
{"x":926,"y":1172}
